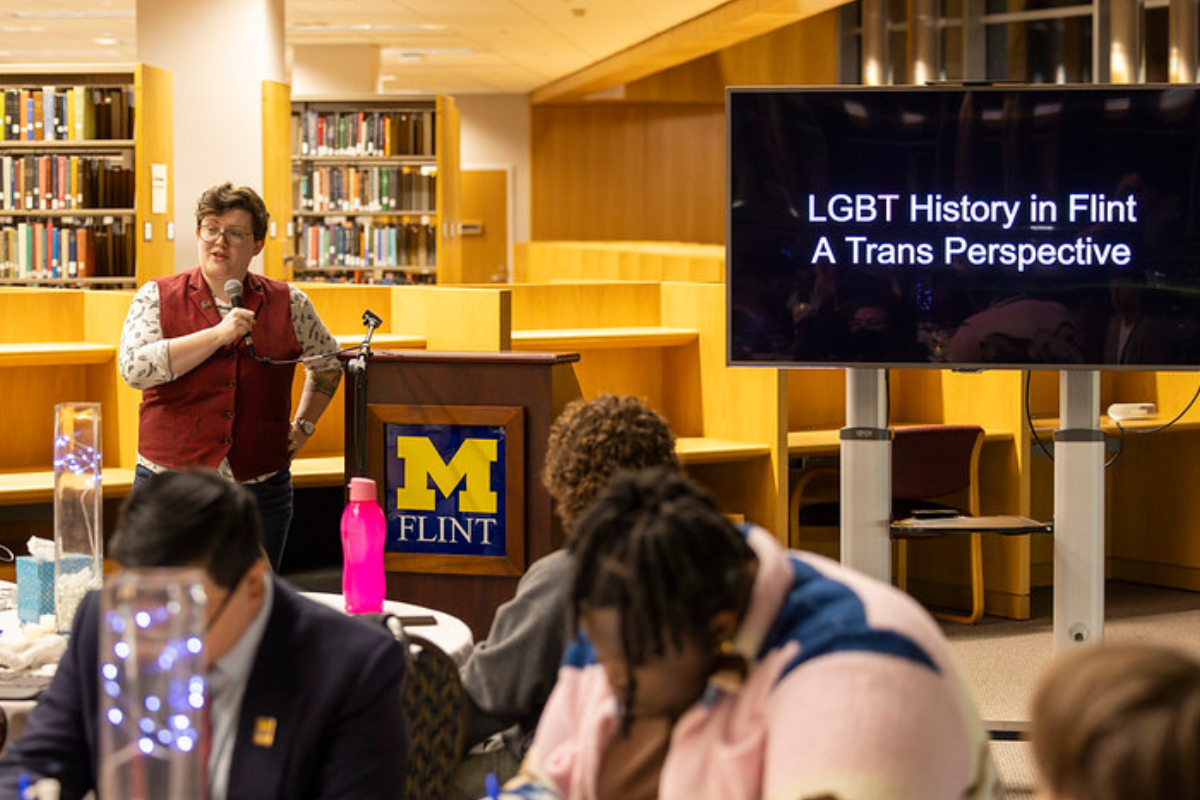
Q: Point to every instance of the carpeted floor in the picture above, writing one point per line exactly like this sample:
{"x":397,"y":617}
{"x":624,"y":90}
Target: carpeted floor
{"x":1002,"y":659}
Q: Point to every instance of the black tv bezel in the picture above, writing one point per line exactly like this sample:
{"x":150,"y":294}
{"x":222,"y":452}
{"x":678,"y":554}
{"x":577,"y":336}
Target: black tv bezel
{"x":948,"y":87}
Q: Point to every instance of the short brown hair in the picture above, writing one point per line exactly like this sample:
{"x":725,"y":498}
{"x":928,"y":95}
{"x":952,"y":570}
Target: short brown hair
{"x":218,"y":199}
{"x":1121,"y":722}
{"x":592,"y":439}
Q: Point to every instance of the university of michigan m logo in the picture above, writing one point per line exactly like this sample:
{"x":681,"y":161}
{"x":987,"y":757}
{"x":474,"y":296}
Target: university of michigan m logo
{"x":422,"y":462}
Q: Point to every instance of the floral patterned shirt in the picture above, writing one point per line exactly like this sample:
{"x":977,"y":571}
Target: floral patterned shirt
{"x":144,"y":361}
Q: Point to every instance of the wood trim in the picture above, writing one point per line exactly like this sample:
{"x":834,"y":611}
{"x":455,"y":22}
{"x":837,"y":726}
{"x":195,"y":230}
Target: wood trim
{"x":726,"y":25}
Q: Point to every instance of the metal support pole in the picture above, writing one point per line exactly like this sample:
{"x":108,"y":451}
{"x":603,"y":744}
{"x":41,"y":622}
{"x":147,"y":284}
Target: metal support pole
{"x":1181,"y":32}
{"x":876,"y":66}
{"x":924,"y":42}
{"x":1078,"y":513}
{"x":1127,"y":63}
{"x":866,"y":475}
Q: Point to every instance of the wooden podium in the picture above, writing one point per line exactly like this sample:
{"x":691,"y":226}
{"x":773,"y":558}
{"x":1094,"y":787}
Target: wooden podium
{"x":455,"y":443}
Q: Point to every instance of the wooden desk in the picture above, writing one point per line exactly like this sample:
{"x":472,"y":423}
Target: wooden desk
{"x":827,"y":441}
{"x":1045,"y":426}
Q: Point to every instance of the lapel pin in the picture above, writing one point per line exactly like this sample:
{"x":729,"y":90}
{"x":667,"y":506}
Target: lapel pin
{"x":205,"y":304}
{"x":264,"y":731}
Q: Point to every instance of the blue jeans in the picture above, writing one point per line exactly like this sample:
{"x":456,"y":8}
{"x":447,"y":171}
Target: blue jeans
{"x":274,"y":496}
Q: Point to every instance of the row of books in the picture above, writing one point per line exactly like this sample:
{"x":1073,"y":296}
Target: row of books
{"x":362,"y":244}
{"x":71,"y":113}
{"x":64,"y":183}
{"x":380,"y":277}
{"x":347,"y":189}
{"x":363,"y":133}
{"x":40,"y":250}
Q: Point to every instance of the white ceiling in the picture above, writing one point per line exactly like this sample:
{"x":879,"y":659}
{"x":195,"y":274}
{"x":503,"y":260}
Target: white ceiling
{"x":451,"y":46}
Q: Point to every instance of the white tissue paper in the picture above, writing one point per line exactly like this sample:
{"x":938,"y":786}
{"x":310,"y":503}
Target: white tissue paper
{"x":73,"y":578}
{"x":41,"y":548}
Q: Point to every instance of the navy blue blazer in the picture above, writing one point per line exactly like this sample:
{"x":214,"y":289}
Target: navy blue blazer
{"x":332,"y":683}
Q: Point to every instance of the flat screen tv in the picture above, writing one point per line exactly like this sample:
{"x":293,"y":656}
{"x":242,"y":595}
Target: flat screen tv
{"x":964,"y":227}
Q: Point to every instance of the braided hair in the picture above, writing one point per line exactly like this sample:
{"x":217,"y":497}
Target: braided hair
{"x":655,"y":547}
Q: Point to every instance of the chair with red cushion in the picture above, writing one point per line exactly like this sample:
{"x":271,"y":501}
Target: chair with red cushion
{"x":934,"y":467}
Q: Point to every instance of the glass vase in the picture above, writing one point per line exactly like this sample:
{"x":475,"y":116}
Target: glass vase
{"x":153,"y":720}
{"x":78,"y":496}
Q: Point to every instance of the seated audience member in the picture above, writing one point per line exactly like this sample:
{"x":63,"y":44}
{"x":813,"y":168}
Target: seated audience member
{"x":712,"y":664}
{"x":1119,"y":722}
{"x":330,"y":683}
{"x":509,"y":675}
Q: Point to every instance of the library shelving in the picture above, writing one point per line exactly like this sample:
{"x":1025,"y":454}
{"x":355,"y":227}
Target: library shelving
{"x":375,"y":190}
{"x":85,"y":159}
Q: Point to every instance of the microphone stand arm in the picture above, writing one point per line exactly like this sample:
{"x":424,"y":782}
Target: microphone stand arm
{"x":357,"y":367}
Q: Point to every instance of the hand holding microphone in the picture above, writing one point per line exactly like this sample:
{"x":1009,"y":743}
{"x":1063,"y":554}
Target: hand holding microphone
{"x":233,"y":289}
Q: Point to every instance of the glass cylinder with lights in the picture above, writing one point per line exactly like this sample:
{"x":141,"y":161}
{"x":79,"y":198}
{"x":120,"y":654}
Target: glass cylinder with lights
{"x":152,"y":690}
{"x":78,"y":519}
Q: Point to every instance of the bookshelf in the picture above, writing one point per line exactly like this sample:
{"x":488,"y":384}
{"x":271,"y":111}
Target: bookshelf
{"x":80,"y":149}
{"x":374,"y":190}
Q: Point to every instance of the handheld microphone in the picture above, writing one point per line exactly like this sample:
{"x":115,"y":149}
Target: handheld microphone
{"x":233,"y":288}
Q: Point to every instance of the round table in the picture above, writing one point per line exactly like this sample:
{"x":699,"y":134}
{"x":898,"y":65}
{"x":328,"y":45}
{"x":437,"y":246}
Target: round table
{"x":448,"y":632}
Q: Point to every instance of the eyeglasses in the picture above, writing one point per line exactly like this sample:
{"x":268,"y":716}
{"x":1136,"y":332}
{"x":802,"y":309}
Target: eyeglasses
{"x":216,"y":615}
{"x":210,"y":234}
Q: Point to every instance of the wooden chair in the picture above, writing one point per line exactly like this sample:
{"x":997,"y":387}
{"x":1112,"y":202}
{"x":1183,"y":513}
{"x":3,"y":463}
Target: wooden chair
{"x":933,"y":467}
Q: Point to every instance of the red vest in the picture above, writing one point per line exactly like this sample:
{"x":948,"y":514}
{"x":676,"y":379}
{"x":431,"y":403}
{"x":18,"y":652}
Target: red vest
{"x":230,"y":405}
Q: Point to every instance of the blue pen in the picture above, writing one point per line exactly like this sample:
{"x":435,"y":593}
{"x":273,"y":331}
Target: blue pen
{"x":492,"y":785}
{"x":23,"y":787}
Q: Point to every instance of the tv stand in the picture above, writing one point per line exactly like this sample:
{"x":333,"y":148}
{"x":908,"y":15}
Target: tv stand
{"x":1078,"y":513}
{"x":866,"y":475}
{"x":866,"y":488}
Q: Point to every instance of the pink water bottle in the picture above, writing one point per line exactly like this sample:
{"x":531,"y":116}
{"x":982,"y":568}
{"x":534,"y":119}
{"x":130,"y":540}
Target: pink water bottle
{"x":363,"y":532}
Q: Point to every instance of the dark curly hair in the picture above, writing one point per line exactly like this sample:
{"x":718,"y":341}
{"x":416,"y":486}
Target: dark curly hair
{"x":592,"y":439}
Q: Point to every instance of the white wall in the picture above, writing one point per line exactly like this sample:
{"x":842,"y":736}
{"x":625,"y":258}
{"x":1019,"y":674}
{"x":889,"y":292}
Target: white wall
{"x":495,"y":133}
{"x":219,"y":52}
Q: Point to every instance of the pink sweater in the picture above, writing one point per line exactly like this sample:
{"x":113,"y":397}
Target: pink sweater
{"x":852,"y":692}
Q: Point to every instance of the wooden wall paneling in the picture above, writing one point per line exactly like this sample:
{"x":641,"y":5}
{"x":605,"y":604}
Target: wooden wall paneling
{"x":277,"y":176}
{"x":28,"y":406}
{"x":701,"y":80}
{"x":341,"y":306}
{"x":36,"y":315}
{"x":154,"y":143}
{"x":635,"y":371}
{"x":455,"y":318}
{"x":1153,"y":520}
{"x":915,"y":395}
{"x":103,"y":320}
{"x":684,"y":182}
{"x":589,"y":163}
{"x":742,"y":404}
{"x":803,"y":53}
{"x":449,"y":192}
{"x":1171,"y":390}
{"x":575,"y":305}
{"x":683,"y":389}
{"x":816,"y":398}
